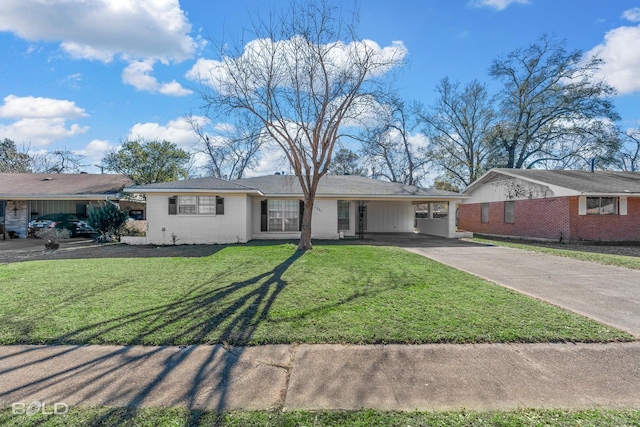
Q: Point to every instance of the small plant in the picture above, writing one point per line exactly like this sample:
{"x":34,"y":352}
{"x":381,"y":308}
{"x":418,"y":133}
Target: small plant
{"x":107,"y":220}
{"x":52,"y":236}
{"x":174,"y":238}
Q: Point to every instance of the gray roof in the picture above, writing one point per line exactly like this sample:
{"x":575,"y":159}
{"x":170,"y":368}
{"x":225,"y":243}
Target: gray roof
{"x":288,"y":185}
{"x":341,"y":186}
{"x":208,"y":183}
{"x":52,"y":184}
{"x":598,"y":182}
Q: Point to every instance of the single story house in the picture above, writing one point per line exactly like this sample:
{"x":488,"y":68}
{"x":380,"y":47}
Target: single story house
{"x":554,"y":204}
{"x":211,"y":210}
{"x":27,"y":196}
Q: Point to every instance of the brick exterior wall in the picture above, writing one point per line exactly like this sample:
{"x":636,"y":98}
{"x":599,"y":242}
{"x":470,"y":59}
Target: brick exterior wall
{"x":538,"y":218}
{"x":552,"y":218}
{"x":606,"y":227}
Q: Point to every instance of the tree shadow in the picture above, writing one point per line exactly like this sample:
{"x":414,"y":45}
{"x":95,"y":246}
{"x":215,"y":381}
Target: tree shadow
{"x":236,"y":310}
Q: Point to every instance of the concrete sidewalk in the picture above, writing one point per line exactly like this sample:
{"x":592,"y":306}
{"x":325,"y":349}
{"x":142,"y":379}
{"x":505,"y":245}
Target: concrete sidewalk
{"x":391,"y":377}
{"x":605,"y":293}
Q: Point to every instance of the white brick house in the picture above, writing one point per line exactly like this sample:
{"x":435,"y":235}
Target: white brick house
{"x":210,"y":210}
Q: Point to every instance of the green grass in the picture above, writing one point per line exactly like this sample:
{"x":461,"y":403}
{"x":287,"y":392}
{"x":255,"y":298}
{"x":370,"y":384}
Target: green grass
{"x":252,"y":295}
{"x":183,"y":417}
{"x":607,"y":259}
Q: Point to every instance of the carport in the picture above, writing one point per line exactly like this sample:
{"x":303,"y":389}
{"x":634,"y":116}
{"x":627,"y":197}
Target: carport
{"x":440,"y":222}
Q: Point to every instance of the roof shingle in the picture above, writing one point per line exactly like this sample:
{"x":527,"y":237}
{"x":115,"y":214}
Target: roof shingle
{"x":25,"y":184}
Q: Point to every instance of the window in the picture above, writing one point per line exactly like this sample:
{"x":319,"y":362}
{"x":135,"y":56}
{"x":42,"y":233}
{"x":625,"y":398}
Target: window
{"x":219,"y":205}
{"x":485,"y":212}
{"x":283,"y":215}
{"x":187,"y":204}
{"x":509,"y":212}
{"x":206,"y":205}
{"x":136,"y":214}
{"x":343,"y":215}
{"x":602,"y":205}
{"x":194,"y":205}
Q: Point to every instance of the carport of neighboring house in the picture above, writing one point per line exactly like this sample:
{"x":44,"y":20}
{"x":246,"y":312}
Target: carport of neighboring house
{"x":25,"y":196}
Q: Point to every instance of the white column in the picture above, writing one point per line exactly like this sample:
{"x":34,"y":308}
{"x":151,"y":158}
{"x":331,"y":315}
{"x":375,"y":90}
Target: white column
{"x":451,"y":226}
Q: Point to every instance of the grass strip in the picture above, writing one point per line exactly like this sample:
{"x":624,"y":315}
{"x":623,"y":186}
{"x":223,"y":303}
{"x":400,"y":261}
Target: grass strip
{"x":606,"y":259}
{"x":177,"y":417}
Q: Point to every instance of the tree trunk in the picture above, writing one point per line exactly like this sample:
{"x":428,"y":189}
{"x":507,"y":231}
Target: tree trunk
{"x":305,"y":234}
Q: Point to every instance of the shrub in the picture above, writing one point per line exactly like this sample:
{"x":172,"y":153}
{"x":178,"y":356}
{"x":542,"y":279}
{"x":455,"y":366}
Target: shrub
{"x":107,"y":220}
{"x":135,"y":228}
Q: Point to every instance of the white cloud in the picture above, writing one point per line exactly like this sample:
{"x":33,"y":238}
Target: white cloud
{"x":101,"y":30}
{"x":178,"y":131}
{"x":95,"y":151}
{"x":257,"y":55}
{"x":40,"y":131}
{"x":40,"y":121}
{"x":78,"y":51}
{"x":271,"y":161}
{"x":138,"y":75}
{"x":16,"y":107}
{"x":632,"y":15}
{"x":98,"y":30}
{"x":496,"y":4}
{"x":621,"y":53}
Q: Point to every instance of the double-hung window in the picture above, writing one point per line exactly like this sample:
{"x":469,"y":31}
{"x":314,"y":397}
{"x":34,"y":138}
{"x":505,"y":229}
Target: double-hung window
{"x":284,"y":215}
{"x":602,"y":205}
{"x":196,"y":205}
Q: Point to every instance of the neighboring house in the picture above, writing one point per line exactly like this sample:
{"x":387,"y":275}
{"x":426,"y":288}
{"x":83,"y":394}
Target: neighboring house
{"x":26,"y":196}
{"x":210,"y":210}
{"x":554,"y":204}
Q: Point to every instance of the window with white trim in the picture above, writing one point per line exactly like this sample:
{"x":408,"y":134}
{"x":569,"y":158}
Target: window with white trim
{"x":196,"y":205}
{"x":509,"y":211}
{"x":602,"y":206}
{"x":283,"y":215}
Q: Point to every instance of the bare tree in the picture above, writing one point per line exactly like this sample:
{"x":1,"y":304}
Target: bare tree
{"x":628,"y":158}
{"x":458,"y":126}
{"x":387,"y":145}
{"x":231,"y":149}
{"x":550,"y":100}
{"x":58,"y":161}
{"x":300,"y":77}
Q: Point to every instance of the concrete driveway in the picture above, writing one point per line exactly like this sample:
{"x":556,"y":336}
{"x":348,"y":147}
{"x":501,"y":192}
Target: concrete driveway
{"x":605,"y":293}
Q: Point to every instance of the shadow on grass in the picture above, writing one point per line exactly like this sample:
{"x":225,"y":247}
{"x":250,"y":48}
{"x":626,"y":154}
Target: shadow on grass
{"x":235,"y":310}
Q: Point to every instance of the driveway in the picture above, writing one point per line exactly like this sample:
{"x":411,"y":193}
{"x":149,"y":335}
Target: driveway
{"x":605,"y":293}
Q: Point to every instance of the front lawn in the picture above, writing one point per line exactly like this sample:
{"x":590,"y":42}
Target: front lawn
{"x":250,"y":295}
{"x":365,"y":418}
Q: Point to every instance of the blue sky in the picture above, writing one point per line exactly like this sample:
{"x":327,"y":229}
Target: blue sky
{"x":85,"y":75}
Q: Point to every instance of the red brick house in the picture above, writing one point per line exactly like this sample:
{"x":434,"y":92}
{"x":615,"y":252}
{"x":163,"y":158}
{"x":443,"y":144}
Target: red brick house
{"x":554,"y":204}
